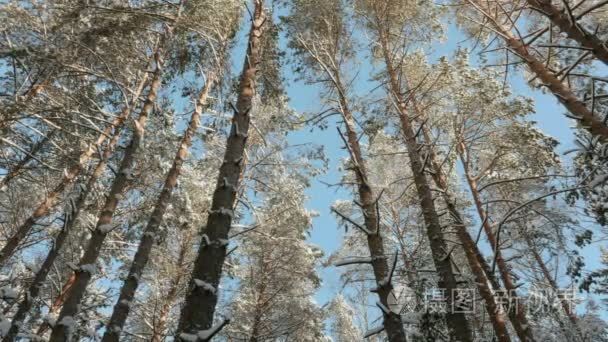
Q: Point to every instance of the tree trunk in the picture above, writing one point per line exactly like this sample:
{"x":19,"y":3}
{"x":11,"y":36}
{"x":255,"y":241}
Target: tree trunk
{"x":457,"y":322}
{"x":484,"y":280}
{"x":68,"y":177}
{"x":18,"y":168}
{"x":518,"y":319}
{"x":127,"y":292}
{"x":547,"y":275}
{"x":62,"y":330}
{"x":60,"y":239}
{"x":260,"y":302}
{"x":561,"y":18}
{"x":160,"y":324}
{"x":564,"y":94}
{"x":197,"y":312}
{"x":391,"y":321}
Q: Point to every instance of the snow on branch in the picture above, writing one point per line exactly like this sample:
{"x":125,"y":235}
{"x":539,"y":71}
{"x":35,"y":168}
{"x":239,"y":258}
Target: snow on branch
{"x":223,"y":211}
{"x":105,"y":228}
{"x":373,"y":331}
{"x":205,"y":286}
{"x":383,"y":307}
{"x":353,"y":260}
{"x":219,"y":242}
{"x":205,"y":335}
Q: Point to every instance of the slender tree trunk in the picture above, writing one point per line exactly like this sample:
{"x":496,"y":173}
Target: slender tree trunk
{"x":484,"y":281}
{"x":564,"y":94}
{"x":160,"y":324}
{"x":391,"y":321}
{"x":63,"y":329}
{"x":60,"y":239}
{"x":457,"y":322}
{"x":70,"y":174}
{"x":197,"y":312}
{"x":18,"y":168}
{"x":259,"y":307}
{"x":519,"y":321}
{"x":547,"y":275}
{"x":127,"y":292}
{"x":560,"y":18}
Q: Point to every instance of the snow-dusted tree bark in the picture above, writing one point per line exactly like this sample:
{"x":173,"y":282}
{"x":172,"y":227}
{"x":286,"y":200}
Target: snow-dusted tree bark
{"x":127,"y":292}
{"x":457,"y":322}
{"x":197,"y":312}
{"x":86,"y":267}
{"x":392,"y":321}
{"x":69,"y":176}
{"x":484,"y":279}
{"x":568,"y":23}
{"x":325,"y":53}
{"x":70,"y":219}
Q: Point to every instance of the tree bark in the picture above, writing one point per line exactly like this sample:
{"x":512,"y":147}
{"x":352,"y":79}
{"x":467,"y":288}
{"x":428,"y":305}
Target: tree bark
{"x":484,"y":280}
{"x":457,"y":322}
{"x":68,"y":178}
{"x":127,"y":292}
{"x":60,"y":239}
{"x":518,"y":317}
{"x":393,"y":325}
{"x":564,"y":94}
{"x":62,"y":330}
{"x":570,"y":26}
{"x":160,"y":324}
{"x":260,"y":297}
{"x":198,"y":310}
{"x":547,"y":275}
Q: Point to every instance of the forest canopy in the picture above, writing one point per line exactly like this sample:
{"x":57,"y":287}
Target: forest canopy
{"x":303,"y":170}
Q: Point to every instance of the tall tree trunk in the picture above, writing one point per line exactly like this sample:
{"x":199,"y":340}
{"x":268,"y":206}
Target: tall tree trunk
{"x":60,"y":239}
{"x":63,"y":328}
{"x":519,"y":321}
{"x":260,"y":300}
{"x":18,"y":168}
{"x":197,"y":312}
{"x":457,"y":322}
{"x":484,"y":280}
{"x":547,"y":275}
{"x":391,"y":321}
{"x":69,"y":176}
{"x":160,"y":324}
{"x":564,"y":94}
{"x":127,"y":292}
{"x":561,"y":18}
